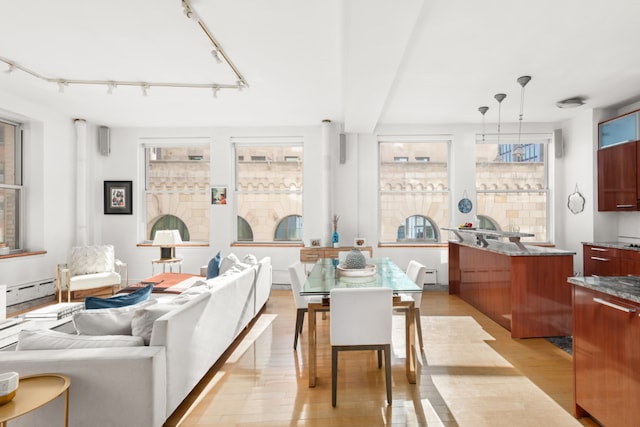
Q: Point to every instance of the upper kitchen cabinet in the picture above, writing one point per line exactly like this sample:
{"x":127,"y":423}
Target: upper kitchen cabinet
{"x":619,"y":130}
{"x":617,"y":177}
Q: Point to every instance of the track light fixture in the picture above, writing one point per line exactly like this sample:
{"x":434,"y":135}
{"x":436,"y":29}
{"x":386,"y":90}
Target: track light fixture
{"x":483,"y":111}
{"x":217,"y":52}
{"x":522,"y":81}
{"x":499,"y":97}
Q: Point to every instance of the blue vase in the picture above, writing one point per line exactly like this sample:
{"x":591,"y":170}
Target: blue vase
{"x":335,"y":239}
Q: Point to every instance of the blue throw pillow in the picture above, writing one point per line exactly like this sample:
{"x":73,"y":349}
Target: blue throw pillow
{"x":213,"y":268}
{"x":123,"y":300}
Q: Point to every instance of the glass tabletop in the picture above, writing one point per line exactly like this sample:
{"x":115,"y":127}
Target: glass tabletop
{"x":327,"y":274}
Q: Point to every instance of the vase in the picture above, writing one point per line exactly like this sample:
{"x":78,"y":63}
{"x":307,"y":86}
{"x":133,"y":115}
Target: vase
{"x":335,"y":239}
{"x":355,"y":259}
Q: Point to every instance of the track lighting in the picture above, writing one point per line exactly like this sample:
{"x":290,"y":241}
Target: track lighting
{"x":522,"y":81}
{"x":483,"y":111}
{"x":217,"y":52}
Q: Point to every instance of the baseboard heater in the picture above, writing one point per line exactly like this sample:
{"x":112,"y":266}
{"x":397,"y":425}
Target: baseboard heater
{"x":19,"y":293}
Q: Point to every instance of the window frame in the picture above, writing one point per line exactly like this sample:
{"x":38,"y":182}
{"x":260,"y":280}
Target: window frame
{"x":439,"y":138}
{"x":18,"y":186}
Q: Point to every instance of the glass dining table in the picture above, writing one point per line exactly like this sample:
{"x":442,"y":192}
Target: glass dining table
{"x":327,"y":274}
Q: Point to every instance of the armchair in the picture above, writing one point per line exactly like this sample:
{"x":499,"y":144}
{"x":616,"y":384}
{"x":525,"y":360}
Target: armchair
{"x":90,"y":267}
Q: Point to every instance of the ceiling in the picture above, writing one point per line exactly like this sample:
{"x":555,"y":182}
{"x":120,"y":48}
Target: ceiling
{"x":356,"y":62}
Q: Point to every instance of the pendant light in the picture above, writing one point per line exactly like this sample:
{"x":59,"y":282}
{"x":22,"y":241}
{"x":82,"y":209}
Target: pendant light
{"x":499,"y":97}
{"x":483,"y":111}
{"x":522,"y":81}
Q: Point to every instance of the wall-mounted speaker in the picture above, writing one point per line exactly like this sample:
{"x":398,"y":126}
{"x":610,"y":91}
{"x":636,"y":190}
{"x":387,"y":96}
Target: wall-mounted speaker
{"x":104,"y":140}
{"x":343,"y":148}
{"x":558,"y":143}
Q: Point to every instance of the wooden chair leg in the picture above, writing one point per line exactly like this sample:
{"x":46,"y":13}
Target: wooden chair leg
{"x":419,"y":328}
{"x":387,"y":367}
{"x":334,"y":375}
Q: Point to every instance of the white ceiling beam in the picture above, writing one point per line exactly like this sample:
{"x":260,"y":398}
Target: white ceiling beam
{"x":376,"y":36}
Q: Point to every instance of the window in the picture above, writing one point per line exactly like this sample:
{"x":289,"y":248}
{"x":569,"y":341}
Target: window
{"x":414,"y":194}
{"x":269,"y":190}
{"x":177,"y":189}
{"x":10,"y":184}
{"x":289,"y":228}
{"x":418,"y":228}
{"x":511,"y":184}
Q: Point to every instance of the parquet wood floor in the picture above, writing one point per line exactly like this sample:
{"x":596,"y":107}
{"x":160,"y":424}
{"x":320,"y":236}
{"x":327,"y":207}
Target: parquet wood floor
{"x":471,"y":373}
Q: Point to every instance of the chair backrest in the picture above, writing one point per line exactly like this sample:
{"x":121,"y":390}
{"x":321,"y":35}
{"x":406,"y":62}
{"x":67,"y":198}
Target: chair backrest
{"x":361,"y":316}
{"x":417,"y":273}
{"x":91,"y":259}
{"x":298,"y":277}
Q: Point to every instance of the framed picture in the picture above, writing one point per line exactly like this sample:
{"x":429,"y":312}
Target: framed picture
{"x":359,"y":242}
{"x":218,"y":195}
{"x":118,"y":198}
{"x":315,"y":242}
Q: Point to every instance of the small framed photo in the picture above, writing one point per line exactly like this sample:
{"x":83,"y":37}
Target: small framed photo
{"x":359,"y":242}
{"x":218,"y":195}
{"x":315,"y":243}
{"x":118,"y":198}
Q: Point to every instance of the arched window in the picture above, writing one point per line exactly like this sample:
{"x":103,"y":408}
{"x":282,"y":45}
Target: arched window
{"x":289,"y":228}
{"x":418,"y":228}
{"x":487,"y":223}
{"x":245,"y":233}
{"x":170,"y":222}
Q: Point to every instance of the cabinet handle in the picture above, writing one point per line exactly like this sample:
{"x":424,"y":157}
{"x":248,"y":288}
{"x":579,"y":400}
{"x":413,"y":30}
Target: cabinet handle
{"x":600,"y":249}
{"x":597,"y":258}
{"x":624,"y":206}
{"x":612,"y":305}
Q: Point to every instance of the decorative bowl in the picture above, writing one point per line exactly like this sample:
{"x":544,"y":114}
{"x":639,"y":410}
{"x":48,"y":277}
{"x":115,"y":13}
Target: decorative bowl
{"x":368,"y":270}
{"x":8,"y":386}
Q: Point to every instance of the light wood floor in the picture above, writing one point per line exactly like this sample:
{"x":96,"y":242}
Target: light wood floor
{"x":470,"y":374}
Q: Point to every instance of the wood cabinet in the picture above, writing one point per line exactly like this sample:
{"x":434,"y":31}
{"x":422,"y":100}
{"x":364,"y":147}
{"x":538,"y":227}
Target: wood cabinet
{"x":618,"y":188}
{"x":606,"y":347}
{"x":313,"y":254}
{"x":600,"y":261}
{"x":527,"y":295}
{"x":606,"y":261}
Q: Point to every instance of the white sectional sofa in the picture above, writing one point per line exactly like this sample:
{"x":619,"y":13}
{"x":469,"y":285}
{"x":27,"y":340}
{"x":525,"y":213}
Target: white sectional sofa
{"x":143,"y":385}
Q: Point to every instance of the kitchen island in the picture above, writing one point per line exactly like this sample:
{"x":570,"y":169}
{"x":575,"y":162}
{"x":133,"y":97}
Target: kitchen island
{"x":521,"y":287}
{"x":606,"y":348}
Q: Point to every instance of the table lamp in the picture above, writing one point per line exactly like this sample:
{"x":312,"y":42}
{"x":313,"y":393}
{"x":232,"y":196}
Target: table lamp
{"x":167,"y":240}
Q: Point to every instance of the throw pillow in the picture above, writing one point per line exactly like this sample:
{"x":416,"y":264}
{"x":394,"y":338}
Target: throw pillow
{"x":250,"y":259}
{"x":123,"y":300}
{"x":142,"y":322}
{"x":46,"y":339}
{"x":107,"y":321}
{"x":228,"y":262}
{"x":213,"y":268}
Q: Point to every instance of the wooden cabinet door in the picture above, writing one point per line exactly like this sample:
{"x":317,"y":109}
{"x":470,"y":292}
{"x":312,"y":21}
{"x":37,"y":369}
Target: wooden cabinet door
{"x":606,"y":346}
{"x":617,"y":180}
{"x":600,"y":261}
{"x":629,"y":262}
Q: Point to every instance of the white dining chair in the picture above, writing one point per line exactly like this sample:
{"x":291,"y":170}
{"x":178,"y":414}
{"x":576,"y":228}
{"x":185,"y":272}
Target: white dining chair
{"x":417,"y":273}
{"x":298,"y":277}
{"x":361,"y":319}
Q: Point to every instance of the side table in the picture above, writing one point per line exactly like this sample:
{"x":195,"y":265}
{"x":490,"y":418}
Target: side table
{"x":166,"y":261}
{"x":36,"y":391}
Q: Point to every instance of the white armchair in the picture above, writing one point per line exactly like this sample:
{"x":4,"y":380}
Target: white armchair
{"x":90,"y":267}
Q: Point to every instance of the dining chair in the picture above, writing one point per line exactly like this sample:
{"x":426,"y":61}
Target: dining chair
{"x":361,"y":319}
{"x":298,"y":277}
{"x":416,"y":273}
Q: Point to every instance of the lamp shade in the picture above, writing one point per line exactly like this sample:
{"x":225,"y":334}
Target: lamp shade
{"x":167,"y":238}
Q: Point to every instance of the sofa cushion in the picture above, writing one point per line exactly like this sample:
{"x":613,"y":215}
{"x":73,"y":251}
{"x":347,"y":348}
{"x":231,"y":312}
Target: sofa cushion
{"x":213,"y":268}
{"x":107,"y":321}
{"x":46,"y":339}
{"x":250,"y":259}
{"x":91,"y":259}
{"x":227,"y":262}
{"x":123,"y":300}
{"x":143,"y":318}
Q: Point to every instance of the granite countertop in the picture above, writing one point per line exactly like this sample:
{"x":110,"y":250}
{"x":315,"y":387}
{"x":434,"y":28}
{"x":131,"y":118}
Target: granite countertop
{"x":626,"y":287}
{"x":511,"y":248}
{"x":614,"y":245}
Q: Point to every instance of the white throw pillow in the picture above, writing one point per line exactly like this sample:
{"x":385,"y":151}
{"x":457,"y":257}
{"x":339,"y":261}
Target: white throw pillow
{"x":227,"y":262}
{"x":250,"y":259}
{"x":142,"y":322}
{"x":107,"y":321}
{"x":46,"y":339}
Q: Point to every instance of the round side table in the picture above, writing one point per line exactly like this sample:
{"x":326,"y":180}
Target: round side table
{"x":36,"y":391}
